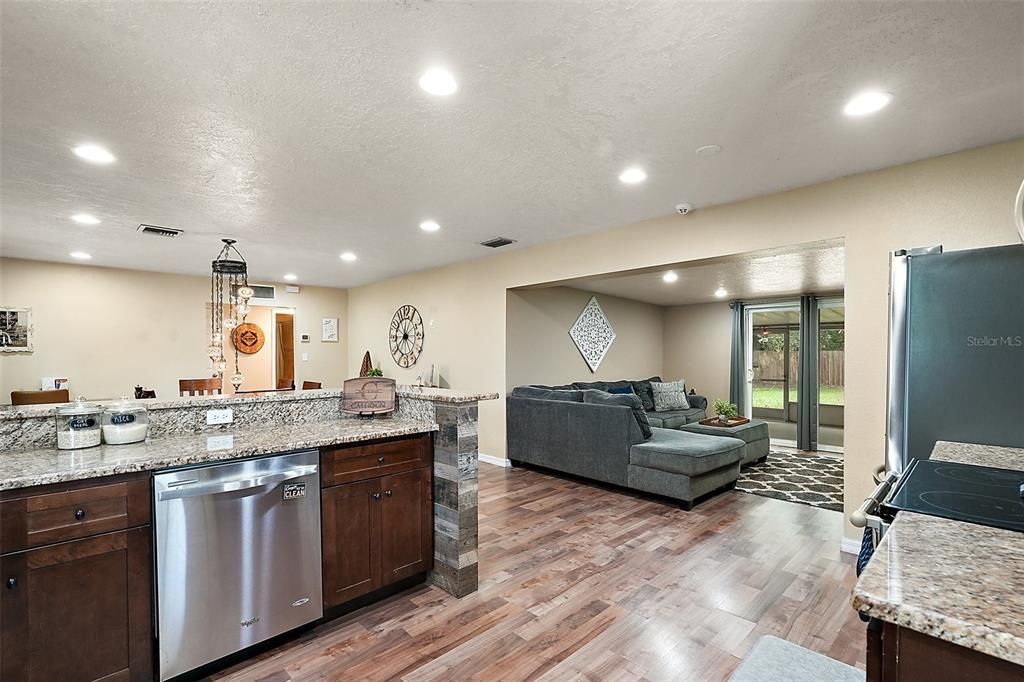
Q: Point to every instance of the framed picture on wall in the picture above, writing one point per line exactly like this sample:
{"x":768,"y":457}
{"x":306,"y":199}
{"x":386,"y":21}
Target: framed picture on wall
{"x":15,"y":330}
{"x":329,"y":329}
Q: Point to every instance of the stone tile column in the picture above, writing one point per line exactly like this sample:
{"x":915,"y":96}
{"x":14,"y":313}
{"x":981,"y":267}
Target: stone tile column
{"x":456,"y":468}
{"x":456,"y":471}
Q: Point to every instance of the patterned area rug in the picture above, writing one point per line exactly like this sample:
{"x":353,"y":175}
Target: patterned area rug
{"x":812,"y":479}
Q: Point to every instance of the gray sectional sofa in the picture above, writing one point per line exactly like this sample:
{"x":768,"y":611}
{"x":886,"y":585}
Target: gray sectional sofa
{"x":565,"y":429}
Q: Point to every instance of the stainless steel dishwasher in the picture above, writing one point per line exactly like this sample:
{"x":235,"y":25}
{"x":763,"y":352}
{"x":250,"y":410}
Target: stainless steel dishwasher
{"x":237,"y":556}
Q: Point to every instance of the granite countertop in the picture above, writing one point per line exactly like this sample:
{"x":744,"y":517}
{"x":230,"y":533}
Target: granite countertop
{"x":980,"y":455}
{"x":439,"y":395}
{"x":445,"y":395}
{"x":957,"y":581}
{"x":19,"y":469}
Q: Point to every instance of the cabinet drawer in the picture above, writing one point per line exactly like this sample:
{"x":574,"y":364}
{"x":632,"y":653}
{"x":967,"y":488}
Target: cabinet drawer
{"x":368,"y":460}
{"x":51,"y":514}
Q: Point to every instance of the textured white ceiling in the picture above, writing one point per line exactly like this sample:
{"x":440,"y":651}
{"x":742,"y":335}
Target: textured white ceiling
{"x":299,"y":129}
{"x":815,"y":267}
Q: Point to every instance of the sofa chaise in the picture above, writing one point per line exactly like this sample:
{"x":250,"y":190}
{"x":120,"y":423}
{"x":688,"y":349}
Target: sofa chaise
{"x":569,"y":430}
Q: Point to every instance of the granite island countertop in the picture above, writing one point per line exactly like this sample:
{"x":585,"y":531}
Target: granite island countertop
{"x":956,"y":581}
{"x":23,"y":468}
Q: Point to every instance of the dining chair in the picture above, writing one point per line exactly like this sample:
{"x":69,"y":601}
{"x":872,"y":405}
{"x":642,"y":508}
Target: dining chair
{"x":56,"y":395}
{"x":193,"y":387}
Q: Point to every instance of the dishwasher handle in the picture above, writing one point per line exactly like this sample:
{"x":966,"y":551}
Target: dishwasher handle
{"x":237,"y":484}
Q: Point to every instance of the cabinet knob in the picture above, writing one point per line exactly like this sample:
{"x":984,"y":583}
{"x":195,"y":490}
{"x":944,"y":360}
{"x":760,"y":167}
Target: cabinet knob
{"x":376,"y":496}
{"x":79,"y":514}
{"x":381,"y":459}
{"x":388,"y":493}
{"x":12,"y":582}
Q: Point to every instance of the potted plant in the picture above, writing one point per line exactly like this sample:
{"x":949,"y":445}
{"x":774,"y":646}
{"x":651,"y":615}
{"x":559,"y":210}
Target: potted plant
{"x":375,"y":372}
{"x":725,"y":410}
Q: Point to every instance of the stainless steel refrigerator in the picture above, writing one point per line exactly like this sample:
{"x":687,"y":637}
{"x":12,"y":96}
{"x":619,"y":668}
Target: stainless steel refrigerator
{"x":956,"y":350}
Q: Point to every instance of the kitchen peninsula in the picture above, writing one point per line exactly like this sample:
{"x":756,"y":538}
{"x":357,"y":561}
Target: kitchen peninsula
{"x":950,"y":594}
{"x":76,"y":526}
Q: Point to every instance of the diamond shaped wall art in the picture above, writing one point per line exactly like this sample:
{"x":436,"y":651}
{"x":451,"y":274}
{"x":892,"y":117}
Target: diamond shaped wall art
{"x":592,"y":334}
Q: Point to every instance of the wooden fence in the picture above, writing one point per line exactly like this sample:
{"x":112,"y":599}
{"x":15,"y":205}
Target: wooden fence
{"x":830,"y":366}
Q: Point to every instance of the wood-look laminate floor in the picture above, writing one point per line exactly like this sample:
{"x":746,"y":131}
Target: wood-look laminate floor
{"x":579,"y":582}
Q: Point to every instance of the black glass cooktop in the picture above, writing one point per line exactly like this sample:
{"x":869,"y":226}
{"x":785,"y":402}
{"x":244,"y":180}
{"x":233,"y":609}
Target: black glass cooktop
{"x":983,"y":495}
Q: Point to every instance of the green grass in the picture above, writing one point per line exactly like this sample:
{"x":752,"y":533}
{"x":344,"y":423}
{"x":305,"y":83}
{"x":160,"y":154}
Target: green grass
{"x":770,"y":397}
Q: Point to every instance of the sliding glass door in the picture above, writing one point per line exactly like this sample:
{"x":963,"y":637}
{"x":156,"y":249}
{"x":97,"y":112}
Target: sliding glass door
{"x":773,"y":333}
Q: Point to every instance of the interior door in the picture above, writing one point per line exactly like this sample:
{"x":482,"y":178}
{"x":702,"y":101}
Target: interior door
{"x":351,"y":540}
{"x":407,"y":532}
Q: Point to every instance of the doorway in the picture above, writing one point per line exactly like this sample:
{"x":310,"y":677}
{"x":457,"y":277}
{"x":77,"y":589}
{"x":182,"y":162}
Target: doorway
{"x":773,"y":337}
{"x":284,"y":349}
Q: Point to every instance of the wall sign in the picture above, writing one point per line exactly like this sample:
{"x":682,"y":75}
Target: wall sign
{"x":248,"y":338}
{"x":329,"y":329}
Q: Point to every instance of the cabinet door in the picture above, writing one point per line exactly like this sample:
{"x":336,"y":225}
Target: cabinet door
{"x":351,"y":540}
{"x":407,"y":531}
{"x":78,"y":610}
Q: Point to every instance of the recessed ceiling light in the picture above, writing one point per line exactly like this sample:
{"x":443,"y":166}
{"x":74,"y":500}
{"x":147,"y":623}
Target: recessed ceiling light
{"x":720,"y":292}
{"x":85,"y":219}
{"x":348,"y":256}
{"x":708,"y":150}
{"x":80,"y":255}
{"x":93,"y":153}
{"x":290,"y":277}
{"x":633,"y":176}
{"x":669,"y":277}
{"x":867,"y":103}
{"x":438,"y":81}
{"x":429,"y":226}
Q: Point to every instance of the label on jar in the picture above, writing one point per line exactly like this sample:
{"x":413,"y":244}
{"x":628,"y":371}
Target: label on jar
{"x":122,"y":418}
{"x":81,"y":422}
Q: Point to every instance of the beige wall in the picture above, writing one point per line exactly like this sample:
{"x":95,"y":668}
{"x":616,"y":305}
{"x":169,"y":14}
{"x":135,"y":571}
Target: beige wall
{"x":961,"y":200}
{"x":109,"y":329}
{"x":540,"y":350}
{"x":697,"y":344}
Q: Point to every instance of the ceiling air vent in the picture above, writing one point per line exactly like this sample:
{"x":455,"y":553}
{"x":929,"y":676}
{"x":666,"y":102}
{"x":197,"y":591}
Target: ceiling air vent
{"x":157,"y":231}
{"x":497,"y":242}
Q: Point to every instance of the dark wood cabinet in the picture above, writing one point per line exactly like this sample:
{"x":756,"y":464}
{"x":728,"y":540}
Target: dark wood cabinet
{"x":898,"y":654}
{"x":351,"y":540}
{"x":76,"y":573}
{"x":79,"y":610}
{"x":377,"y":530}
{"x":406,"y":526}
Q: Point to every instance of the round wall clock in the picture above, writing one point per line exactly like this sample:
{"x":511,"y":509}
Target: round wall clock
{"x":406,"y":336}
{"x":248,"y":338}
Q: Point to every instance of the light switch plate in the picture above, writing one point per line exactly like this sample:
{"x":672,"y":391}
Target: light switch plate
{"x":223,"y":416}
{"x":305,"y":357}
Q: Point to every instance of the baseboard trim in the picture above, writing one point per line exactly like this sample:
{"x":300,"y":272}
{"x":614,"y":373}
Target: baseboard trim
{"x":496,"y":461}
{"x":850,"y":546}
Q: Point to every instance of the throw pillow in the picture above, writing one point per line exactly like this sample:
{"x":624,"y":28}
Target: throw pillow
{"x":626,"y":400}
{"x":620,"y":390}
{"x":669,"y":396}
{"x":643,"y":389}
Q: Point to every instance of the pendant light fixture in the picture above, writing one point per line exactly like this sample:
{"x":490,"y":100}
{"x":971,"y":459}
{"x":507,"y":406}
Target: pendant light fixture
{"x":228,"y":269}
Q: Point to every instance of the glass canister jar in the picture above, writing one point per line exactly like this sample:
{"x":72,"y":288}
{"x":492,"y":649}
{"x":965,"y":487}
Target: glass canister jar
{"x":78,"y":425}
{"x":125,"y":422}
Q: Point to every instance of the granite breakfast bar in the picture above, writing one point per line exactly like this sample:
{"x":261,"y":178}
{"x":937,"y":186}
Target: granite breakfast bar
{"x":935,"y":583}
{"x":61,"y":511}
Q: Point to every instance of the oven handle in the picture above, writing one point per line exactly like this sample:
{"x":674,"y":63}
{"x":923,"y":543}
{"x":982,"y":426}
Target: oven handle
{"x":860,"y":517}
{"x":235,"y":485}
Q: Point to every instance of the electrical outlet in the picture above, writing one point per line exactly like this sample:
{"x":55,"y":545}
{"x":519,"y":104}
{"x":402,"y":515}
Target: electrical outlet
{"x":214,"y":443}
{"x":223,"y":416}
